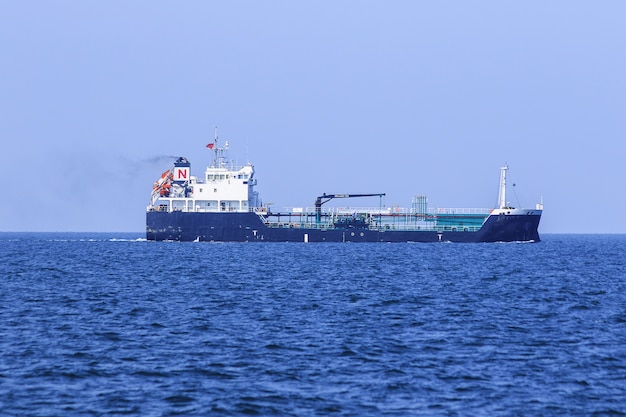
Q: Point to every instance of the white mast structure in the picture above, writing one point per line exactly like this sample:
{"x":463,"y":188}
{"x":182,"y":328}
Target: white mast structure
{"x":219,"y":159}
{"x":502,"y":193}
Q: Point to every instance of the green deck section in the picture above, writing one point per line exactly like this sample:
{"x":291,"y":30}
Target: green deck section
{"x":460,"y":220}
{"x":438,"y":222}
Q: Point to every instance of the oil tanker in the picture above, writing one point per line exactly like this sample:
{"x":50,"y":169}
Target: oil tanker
{"x":223,"y":206}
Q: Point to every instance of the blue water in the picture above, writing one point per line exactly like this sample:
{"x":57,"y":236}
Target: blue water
{"x":95,"y":324}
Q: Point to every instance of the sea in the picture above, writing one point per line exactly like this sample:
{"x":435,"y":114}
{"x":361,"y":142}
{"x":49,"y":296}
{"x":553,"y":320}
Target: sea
{"x":96,"y":324}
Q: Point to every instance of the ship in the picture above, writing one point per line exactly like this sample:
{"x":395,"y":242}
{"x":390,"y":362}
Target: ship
{"x":223,"y":206}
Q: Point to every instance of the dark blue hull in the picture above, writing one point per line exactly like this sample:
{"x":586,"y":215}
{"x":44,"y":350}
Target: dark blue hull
{"x":248,"y":227}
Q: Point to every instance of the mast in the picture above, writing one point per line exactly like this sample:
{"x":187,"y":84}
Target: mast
{"x":502,"y":192}
{"x":219,"y":160}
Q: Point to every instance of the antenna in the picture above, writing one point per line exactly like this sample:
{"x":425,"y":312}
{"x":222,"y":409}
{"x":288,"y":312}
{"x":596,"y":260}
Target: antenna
{"x":213,"y":146}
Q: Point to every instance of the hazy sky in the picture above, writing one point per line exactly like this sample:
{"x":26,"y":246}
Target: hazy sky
{"x":402,"y":97}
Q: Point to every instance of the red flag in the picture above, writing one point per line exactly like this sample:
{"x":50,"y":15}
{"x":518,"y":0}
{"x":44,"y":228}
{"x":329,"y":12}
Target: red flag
{"x":210,"y":145}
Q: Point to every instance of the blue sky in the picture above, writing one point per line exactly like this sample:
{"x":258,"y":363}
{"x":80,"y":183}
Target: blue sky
{"x":404,"y":97}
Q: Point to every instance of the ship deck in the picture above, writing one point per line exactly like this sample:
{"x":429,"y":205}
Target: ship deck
{"x":445,"y":220}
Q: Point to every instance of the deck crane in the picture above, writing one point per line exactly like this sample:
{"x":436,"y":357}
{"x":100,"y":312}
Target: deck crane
{"x":325,"y":198}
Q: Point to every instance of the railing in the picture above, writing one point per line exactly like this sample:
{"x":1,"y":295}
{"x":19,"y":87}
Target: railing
{"x":308,"y":211}
{"x":390,"y":210}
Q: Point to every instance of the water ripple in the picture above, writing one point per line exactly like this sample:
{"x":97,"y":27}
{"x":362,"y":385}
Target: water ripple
{"x":117,"y":325}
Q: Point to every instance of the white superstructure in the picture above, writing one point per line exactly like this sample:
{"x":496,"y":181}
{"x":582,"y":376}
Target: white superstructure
{"x":224,"y":187}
